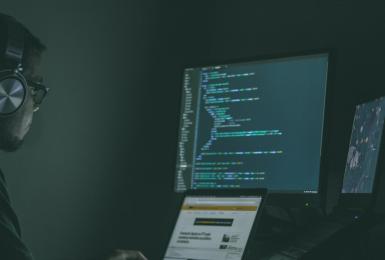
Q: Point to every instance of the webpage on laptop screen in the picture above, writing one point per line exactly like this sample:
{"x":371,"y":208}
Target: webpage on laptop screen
{"x":213,"y":228}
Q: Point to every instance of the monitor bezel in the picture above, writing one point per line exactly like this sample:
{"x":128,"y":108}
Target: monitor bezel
{"x":263,"y":193}
{"x":289,"y":197}
{"x":378,"y":200}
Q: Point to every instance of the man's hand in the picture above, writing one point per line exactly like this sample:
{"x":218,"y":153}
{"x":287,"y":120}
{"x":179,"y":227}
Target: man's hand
{"x":127,"y":255}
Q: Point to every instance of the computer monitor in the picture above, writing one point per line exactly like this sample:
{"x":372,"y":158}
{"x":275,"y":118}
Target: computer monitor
{"x":364,"y":148}
{"x":254,"y":124}
{"x":361,"y":168}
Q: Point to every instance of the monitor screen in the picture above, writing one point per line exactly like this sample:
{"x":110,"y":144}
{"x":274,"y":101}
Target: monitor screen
{"x":213,"y":228}
{"x":365,"y":140}
{"x":255,"y":124}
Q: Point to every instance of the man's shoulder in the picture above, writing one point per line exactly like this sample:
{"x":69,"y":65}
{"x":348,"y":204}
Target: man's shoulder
{"x":7,"y":214}
{"x":11,"y":245}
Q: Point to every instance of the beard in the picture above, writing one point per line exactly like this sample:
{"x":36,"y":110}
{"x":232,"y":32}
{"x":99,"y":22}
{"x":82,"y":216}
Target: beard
{"x":10,"y":143}
{"x":13,"y":128}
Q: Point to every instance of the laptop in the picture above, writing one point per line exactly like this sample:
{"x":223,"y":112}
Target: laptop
{"x":216,"y":225}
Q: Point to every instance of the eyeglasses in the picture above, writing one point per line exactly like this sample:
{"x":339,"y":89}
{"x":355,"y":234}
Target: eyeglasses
{"x":38,"y":93}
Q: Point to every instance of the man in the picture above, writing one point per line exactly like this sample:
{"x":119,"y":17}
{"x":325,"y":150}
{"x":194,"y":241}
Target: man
{"x":21,"y":93}
{"x":16,"y":117}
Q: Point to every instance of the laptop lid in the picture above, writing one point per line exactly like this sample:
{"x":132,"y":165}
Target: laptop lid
{"x":215,"y":225}
{"x":361,"y":170}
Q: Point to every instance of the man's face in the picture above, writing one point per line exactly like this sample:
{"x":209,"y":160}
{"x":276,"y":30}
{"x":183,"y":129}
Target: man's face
{"x":15,"y":127}
{"x":24,"y":121}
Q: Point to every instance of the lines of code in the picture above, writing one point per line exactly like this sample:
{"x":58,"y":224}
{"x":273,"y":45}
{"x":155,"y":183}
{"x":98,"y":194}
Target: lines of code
{"x":255,"y":124}
{"x":226,"y":129}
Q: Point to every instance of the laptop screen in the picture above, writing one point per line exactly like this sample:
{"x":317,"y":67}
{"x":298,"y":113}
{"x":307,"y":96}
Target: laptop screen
{"x":210,"y":227}
{"x":365,"y":140}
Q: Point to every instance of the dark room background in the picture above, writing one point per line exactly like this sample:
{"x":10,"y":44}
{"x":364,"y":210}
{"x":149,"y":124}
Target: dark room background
{"x":97,"y":169}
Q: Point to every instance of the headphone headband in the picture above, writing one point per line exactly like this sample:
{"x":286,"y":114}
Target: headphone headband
{"x":14,"y":48}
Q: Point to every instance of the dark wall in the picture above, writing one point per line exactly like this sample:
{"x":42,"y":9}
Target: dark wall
{"x":97,"y":168}
{"x":355,"y":33}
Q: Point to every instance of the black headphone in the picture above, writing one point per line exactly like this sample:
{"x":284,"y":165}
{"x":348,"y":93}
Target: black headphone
{"x":13,"y":85}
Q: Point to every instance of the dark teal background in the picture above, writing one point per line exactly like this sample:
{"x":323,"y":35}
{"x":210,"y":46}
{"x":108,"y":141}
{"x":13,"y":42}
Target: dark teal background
{"x":97,"y":169}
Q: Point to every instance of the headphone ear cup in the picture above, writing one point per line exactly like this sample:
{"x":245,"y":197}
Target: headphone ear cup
{"x":12,"y":93}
